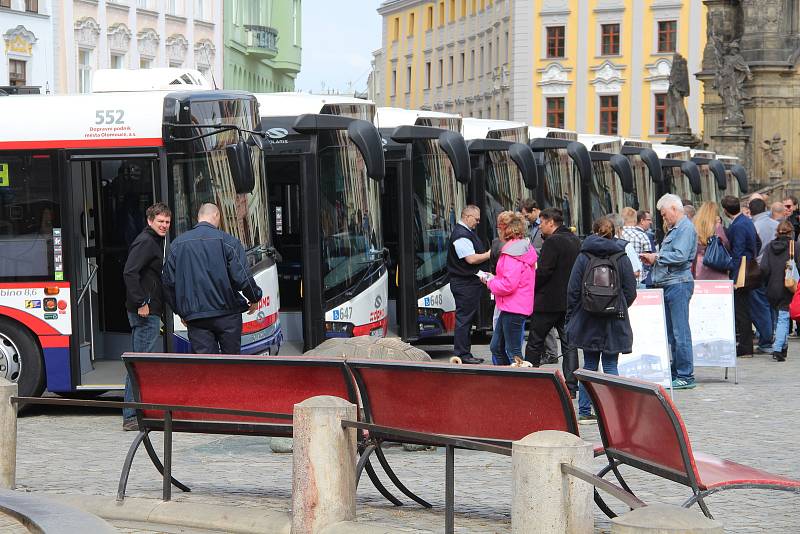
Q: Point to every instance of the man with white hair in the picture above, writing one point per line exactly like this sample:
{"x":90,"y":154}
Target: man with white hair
{"x":672,"y":272}
{"x":778,"y":211}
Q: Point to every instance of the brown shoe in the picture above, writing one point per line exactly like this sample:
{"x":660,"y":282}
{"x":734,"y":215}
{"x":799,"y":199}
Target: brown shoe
{"x":130,"y":424}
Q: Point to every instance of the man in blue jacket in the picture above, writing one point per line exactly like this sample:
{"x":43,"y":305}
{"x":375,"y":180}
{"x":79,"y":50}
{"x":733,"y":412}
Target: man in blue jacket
{"x":204,"y":279}
{"x":672,"y":271}
{"x":743,"y":239}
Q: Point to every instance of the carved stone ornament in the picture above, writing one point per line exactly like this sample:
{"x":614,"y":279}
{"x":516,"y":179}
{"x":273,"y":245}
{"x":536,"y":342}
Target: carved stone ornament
{"x":19,"y":41}
{"x":731,"y":70}
{"x":554,"y":79}
{"x":87,"y":32}
{"x":659,"y":75}
{"x":677,"y":118}
{"x":177,"y":46}
{"x":119,"y":38}
{"x":773,"y":153}
{"x":148,"y":43}
{"x":608,"y":78}
{"x":204,"y":52}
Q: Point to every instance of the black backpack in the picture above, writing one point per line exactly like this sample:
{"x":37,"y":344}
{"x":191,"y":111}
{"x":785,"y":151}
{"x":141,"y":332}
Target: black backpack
{"x":602,"y":287}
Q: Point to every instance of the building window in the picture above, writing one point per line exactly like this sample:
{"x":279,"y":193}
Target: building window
{"x":609,"y":109}
{"x":667,"y":33}
{"x":117,"y":61}
{"x":145,"y":63}
{"x":16,"y":72}
{"x":451,"y":69}
{"x":462,"y":67}
{"x":5,"y":3}
{"x":463,"y":8}
{"x":408,"y":79}
{"x":441,"y":72}
{"x":472,"y":8}
{"x":395,"y":28}
{"x":609,"y":40}
{"x":84,"y":71}
{"x":441,"y":13}
{"x":660,"y":114}
{"x":480,"y":72}
{"x":200,"y":10}
{"x":428,"y":18}
{"x":555,"y":41}
{"x":394,"y":82}
{"x":32,"y":6}
{"x":427,"y":75}
{"x":296,"y":22}
{"x":505,"y":48}
{"x":411,"y":23}
{"x":483,"y":5}
{"x":452,"y":10}
{"x":555,"y":112}
{"x":472,"y":64}
{"x":490,"y":58}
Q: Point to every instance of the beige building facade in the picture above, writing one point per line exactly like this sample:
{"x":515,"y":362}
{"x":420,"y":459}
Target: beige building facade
{"x":132,"y":34}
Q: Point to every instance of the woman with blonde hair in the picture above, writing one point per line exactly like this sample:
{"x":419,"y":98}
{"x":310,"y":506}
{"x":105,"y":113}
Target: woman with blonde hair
{"x":707,"y":223}
{"x":512,"y":287}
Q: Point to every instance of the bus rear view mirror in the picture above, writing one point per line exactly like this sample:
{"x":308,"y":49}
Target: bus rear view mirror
{"x":244,"y":179}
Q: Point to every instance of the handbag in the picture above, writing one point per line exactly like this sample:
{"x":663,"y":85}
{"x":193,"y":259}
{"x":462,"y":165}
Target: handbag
{"x":791,"y":275}
{"x":716,"y":256}
{"x":749,"y":275}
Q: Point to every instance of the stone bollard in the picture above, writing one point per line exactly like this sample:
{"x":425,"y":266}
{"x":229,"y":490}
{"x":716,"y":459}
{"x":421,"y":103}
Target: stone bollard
{"x":664,"y":519}
{"x":324,"y":464}
{"x":544,"y":500}
{"x":8,"y":435}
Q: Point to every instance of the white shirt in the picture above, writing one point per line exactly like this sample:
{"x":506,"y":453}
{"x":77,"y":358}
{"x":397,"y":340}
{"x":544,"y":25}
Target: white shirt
{"x":464,"y":246}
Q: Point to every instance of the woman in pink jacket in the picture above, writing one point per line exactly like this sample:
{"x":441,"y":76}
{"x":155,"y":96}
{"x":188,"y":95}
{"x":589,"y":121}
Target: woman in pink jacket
{"x":512,"y":288}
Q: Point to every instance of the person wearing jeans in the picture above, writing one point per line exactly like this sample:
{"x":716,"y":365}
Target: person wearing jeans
{"x":513,"y":289}
{"x":774,"y":265}
{"x":591,"y":362}
{"x":672,"y":272}
{"x":143,"y":290}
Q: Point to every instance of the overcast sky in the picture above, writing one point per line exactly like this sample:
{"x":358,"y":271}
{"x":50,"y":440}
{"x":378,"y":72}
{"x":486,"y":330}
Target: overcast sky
{"x":338,"y":40}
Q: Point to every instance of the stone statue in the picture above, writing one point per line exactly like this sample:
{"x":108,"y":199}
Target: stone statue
{"x":773,"y":152}
{"x":677,"y":118}
{"x":731,"y":72}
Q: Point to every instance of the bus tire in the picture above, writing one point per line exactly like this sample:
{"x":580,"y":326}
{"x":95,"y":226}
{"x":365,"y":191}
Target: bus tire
{"x":370,"y":348}
{"x":21,"y":359}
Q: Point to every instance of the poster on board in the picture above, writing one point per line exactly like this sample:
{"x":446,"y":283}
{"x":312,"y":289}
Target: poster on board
{"x":713,"y":325}
{"x":650,"y":359}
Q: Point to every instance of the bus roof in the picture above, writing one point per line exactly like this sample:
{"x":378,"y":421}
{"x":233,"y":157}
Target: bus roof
{"x":638,"y":143}
{"x":482,"y":128}
{"x":293,"y":104}
{"x":388,"y":117}
{"x":731,"y":160}
{"x":671,"y":151}
{"x":100,"y":120}
{"x":541,"y":132}
{"x":707,"y":154}
{"x":590,"y":141}
{"x":161,"y":79}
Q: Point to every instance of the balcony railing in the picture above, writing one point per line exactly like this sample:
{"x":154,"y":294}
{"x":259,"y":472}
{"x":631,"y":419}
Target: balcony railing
{"x":261,"y":40}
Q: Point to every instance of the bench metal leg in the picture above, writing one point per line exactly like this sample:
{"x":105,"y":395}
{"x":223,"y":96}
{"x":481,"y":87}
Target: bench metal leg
{"x":379,"y":485}
{"x":363,"y":459}
{"x":449,"y":483}
{"x":151,"y":452}
{"x":698,"y":498}
{"x":395,"y":480}
{"x":166,"y":486}
{"x":126,"y":466}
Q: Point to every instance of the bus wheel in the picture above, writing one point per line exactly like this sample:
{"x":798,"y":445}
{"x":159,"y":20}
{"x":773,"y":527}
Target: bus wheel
{"x":21,"y":359}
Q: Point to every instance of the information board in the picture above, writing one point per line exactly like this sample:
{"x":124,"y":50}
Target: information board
{"x":650,"y":359}
{"x":712,"y":321}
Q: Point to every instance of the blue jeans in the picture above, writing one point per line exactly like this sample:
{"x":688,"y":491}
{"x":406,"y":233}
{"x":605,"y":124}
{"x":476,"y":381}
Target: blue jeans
{"x":507,"y":338}
{"x":781,"y":331}
{"x":144,"y":334}
{"x":591,"y":361}
{"x":761,"y":315}
{"x":676,"y":308}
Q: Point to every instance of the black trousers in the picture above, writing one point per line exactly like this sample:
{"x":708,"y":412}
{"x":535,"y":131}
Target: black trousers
{"x":216,"y":335}
{"x":467,"y":294}
{"x":540,"y":325}
{"x":744,"y":330}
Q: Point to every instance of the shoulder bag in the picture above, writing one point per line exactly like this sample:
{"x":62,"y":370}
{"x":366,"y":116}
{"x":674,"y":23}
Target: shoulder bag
{"x":791,"y":275}
{"x":716,"y":256}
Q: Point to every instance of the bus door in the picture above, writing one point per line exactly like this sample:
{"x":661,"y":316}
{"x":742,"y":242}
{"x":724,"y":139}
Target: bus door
{"x":109,"y":199}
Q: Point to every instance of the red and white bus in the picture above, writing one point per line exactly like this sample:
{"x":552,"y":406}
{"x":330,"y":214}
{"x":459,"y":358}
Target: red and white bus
{"x":76,"y":175}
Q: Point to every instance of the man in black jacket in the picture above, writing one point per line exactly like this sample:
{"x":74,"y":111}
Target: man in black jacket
{"x":204,"y":279}
{"x":143,"y":292}
{"x":559,"y":251}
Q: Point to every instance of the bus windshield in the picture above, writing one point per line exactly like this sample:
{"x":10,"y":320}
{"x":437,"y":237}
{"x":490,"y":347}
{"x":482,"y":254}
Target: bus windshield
{"x":201,"y":173}
{"x":606,"y":192}
{"x":29,"y":213}
{"x":561,"y":186}
{"x":438,"y":200}
{"x":352,"y":239}
{"x":505,"y":189}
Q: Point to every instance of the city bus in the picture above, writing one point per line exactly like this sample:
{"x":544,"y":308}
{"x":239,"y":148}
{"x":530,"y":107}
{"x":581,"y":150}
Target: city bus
{"x":735,"y":176}
{"x":425,"y":189}
{"x":565,"y":175}
{"x":76,"y":176}
{"x":612,"y":186}
{"x":504,"y":173}
{"x":680,"y":177}
{"x":713,"y":179}
{"x":324,"y":167}
{"x":647,"y":174}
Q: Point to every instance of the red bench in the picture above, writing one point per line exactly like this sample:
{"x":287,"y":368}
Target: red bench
{"x":641,"y":427}
{"x":252,"y":395}
{"x":455,"y":407}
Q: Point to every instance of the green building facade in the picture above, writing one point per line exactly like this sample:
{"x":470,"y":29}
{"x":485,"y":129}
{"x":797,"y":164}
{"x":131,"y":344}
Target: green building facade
{"x":262,"y":44}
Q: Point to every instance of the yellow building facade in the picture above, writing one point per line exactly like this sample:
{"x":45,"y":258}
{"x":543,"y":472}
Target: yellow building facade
{"x":594,"y":66}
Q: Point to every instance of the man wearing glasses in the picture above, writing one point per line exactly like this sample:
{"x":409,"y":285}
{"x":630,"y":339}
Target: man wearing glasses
{"x":465,"y":254}
{"x":792,"y":215}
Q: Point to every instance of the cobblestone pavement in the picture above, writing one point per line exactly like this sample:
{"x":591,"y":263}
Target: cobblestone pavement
{"x":754,"y":422}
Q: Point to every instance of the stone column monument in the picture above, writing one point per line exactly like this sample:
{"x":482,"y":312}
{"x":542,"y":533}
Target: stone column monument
{"x":680,"y":133}
{"x":751,"y":81}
